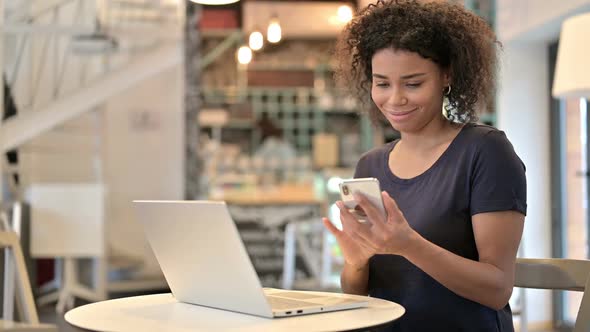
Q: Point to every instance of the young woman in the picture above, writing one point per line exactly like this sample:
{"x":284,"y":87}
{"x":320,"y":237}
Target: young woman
{"x":454,"y":190}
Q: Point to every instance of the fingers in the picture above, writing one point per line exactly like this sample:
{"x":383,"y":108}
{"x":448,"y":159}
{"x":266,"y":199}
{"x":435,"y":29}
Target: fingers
{"x":349,"y":221}
{"x":370,"y":209}
{"x":338,"y":234}
{"x":331,"y":228}
{"x":359,"y":232}
{"x":393,"y":211}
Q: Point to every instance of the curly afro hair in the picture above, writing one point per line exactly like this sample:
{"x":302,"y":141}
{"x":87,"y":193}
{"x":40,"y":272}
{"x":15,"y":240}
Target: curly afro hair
{"x":448,"y":34}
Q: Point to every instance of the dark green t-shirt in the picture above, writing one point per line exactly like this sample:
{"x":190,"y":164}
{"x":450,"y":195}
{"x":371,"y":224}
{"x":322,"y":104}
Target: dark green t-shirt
{"x":479,"y":172}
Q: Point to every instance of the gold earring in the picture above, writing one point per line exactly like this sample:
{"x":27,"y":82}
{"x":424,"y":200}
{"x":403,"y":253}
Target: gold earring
{"x":447,"y":90}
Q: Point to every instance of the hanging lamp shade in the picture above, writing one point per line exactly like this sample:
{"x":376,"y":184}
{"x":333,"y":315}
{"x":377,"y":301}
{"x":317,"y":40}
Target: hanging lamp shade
{"x":274,"y":31}
{"x":572,"y":71}
{"x":256,"y":40}
{"x":244,"y":55}
{"x":214,"y":2}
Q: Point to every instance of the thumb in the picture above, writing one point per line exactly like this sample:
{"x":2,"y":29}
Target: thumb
{"x":331,"y":228}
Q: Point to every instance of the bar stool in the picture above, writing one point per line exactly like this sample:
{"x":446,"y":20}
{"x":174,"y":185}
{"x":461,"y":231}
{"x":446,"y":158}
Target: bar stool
{"x":15,"y":274}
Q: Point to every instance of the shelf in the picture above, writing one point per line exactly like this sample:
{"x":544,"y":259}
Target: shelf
{"x":240,"y":124}
{"x":300,"y":112}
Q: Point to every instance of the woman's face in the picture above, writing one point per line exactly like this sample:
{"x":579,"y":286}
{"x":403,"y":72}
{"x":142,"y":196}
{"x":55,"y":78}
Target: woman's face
{"x":407,"y":89}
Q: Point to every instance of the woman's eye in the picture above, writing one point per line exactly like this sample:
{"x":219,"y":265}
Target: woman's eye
{"x":413,"y":85}
{"x":381,"y":84}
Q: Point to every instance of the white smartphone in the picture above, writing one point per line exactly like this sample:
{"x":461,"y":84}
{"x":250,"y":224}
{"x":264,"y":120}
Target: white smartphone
{"x":369,"y":187}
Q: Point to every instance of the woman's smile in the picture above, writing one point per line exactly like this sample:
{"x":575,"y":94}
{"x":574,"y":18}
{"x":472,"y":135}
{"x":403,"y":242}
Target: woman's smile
{"x":400,"y":115}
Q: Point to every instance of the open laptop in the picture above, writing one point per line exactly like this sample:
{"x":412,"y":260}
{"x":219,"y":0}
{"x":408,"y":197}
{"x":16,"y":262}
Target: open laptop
{"x":204,"y":261}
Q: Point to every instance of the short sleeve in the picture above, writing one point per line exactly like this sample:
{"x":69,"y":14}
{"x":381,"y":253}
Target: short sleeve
{"x":361,"y":168}
{"x":369,"y":163}
{"x":498,"y":181}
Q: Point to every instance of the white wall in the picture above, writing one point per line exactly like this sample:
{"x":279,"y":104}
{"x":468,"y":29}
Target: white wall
{"x":534,"y":20}
{"x":144,"y":156}
{"x":523,"y":113}
{"x":526,"y":28}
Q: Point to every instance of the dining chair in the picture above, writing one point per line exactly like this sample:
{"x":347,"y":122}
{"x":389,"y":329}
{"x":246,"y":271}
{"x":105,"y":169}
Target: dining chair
{"x":557,"y":274}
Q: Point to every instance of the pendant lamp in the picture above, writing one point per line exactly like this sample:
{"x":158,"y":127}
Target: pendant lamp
{"x":572,"y":72}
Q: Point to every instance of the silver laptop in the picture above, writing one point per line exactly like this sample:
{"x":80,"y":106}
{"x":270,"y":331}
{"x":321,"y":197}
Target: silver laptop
{"x":205,"y":262}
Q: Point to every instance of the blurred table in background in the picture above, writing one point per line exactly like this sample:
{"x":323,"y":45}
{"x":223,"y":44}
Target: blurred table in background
{"x":282,"y":230}
{"x":287,"y":194}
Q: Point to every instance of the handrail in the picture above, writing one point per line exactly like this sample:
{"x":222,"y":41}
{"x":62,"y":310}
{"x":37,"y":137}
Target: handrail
{"x":27,"y":125}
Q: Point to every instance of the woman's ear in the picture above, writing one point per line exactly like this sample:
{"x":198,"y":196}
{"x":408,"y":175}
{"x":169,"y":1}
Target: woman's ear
{"x":447,"y":77}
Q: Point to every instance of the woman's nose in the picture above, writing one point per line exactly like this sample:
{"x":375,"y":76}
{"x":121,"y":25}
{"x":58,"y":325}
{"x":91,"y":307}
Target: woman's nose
{"x":397,"y":98}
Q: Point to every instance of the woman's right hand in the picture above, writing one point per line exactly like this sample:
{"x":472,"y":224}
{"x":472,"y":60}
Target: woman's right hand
{"x":354,"y":253}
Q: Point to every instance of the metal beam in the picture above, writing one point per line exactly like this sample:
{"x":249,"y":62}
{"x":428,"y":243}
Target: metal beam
{"x":31,"y":123}
{"x":23,"y":28}
{"x":27,"y":14}
{"x":166,"y":31}
{"x":231,"y":40}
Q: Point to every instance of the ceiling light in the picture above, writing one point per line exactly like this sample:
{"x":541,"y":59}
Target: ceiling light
{"x":345,"y":13}
{"x":256,"y":40}
{"x":214,"y":2}
{"x":244,"y":55}
{"x":274,"y":32}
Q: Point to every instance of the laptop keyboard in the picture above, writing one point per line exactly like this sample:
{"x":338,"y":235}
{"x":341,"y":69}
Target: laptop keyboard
{"x":283,"y":303}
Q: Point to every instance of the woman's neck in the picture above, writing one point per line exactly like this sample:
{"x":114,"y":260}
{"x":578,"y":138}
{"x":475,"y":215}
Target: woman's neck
{"x":432,"y":135}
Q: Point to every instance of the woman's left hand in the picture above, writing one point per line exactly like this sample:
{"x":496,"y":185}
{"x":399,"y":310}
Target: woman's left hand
{"x":389,"y":234}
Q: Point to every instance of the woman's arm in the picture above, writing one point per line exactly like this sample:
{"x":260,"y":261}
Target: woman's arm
{"x":355,"y":279}
{"x":488,"y":281}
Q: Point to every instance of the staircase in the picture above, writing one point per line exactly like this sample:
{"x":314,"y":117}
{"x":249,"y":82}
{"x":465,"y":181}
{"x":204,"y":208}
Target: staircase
{"x":66,"y":59}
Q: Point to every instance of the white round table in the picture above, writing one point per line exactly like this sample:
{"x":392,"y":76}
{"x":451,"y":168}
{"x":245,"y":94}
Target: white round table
{"x":162,"y":312}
